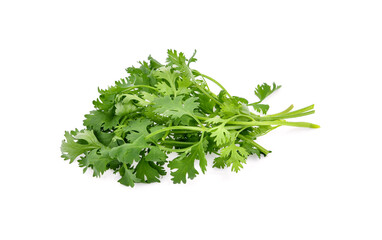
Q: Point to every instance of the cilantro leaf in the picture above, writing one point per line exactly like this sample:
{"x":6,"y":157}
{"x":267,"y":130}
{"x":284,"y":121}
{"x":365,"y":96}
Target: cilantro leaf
{"x":219,"y":162}
{"x":264,"y":90}
{"x":146,"y":172}
{"x":86,"y":141}
{"x":221,"y":134}
{"x":129,"y":152}
{"x":128,"y":177}
{"x":185,"y":165}
{"x":170,"y":77}
{"x":192,"y":59}
{"x":260,"y":108}
{"x":235,"y":156}
{"x":156,"y":155}
{"x":230,"y":108}
{"x":178,"y":61}
{"x":123,"y":109}
{"x":98,"y":119}
{"x":98,"y":162}
{"x":175,"y":108}
{"x":137,"y":128}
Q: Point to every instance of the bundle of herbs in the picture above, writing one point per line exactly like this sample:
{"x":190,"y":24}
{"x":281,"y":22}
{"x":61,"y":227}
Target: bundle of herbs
{"x":164,"y":108}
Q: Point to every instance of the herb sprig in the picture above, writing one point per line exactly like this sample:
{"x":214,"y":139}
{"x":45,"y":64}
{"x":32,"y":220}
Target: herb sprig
{"x":159,"y":109}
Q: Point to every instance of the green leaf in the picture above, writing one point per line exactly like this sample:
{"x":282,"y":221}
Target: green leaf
{"x":129,"y":152}
{"x":166,"y":74}
{"x":183,"y":87}
{"x":185,"y":167}
{"x":89,"y":137}
{"x":206,"y":104}
{"x":128,"y":178}
{"x":229,"y":109}
{"x":165,"y":89}
{"x":104,"y":137}
{"x":185,"y":164}
{"x":137,"y":128}
{"x":159,"y":167}
{"x":216,"y":120}
{"x":97,"y":119}
{"x":123,"y":109}
{"x":221,"y":135}
{"x":260,"y":108}
{"x":235,"y":156}
{"x":192,"y":59}
{"x":156,"y":155}
{"x":98,"y":161}
{"x":154,"y":64}
{"x":178,"y":61}
{"x":219,"y":162}
{"x":135,"y":100}
{"x":170,"y":77}
{"x":149,"y":96}
{"x":105,"y":102}
{"x":264,"y":90}
{"x":78,"y":143}
{"x":175,"y":108}
{"x":146,"y":173}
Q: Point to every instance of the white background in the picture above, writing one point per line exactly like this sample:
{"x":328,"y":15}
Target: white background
{"x":316,"y":184}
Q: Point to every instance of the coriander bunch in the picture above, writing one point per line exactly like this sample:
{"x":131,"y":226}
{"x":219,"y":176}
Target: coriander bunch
{"x":164,"y":108}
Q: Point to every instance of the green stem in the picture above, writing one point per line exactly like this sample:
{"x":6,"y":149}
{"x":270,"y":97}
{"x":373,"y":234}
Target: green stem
{"x":285,"y":116}
{"x":263,"y":150}
{"x":284,"y":123}
{"x":229,"y":119}
{"x":182,"y":132}
{"x":202,"y":118}
{"x":282,"y":112}
{"x":125,"y":166}
{"x":206,"y":93}
{"x":175,"y":149}
{"x":178,"y":142}
{"x":140,"y":86}
{"x":217,"y":83}
{"x":305,"y":109}
{"x":208,"y":88}
{"x":235,"y":127}
{"x":241,"y":115}
{"x":196,"y":119}
{"x":174,"y":128}
{"x":168,"y":132}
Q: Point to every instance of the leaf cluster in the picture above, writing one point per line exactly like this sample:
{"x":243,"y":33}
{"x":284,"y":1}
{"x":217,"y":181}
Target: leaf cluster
{"x":163,"y":108}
